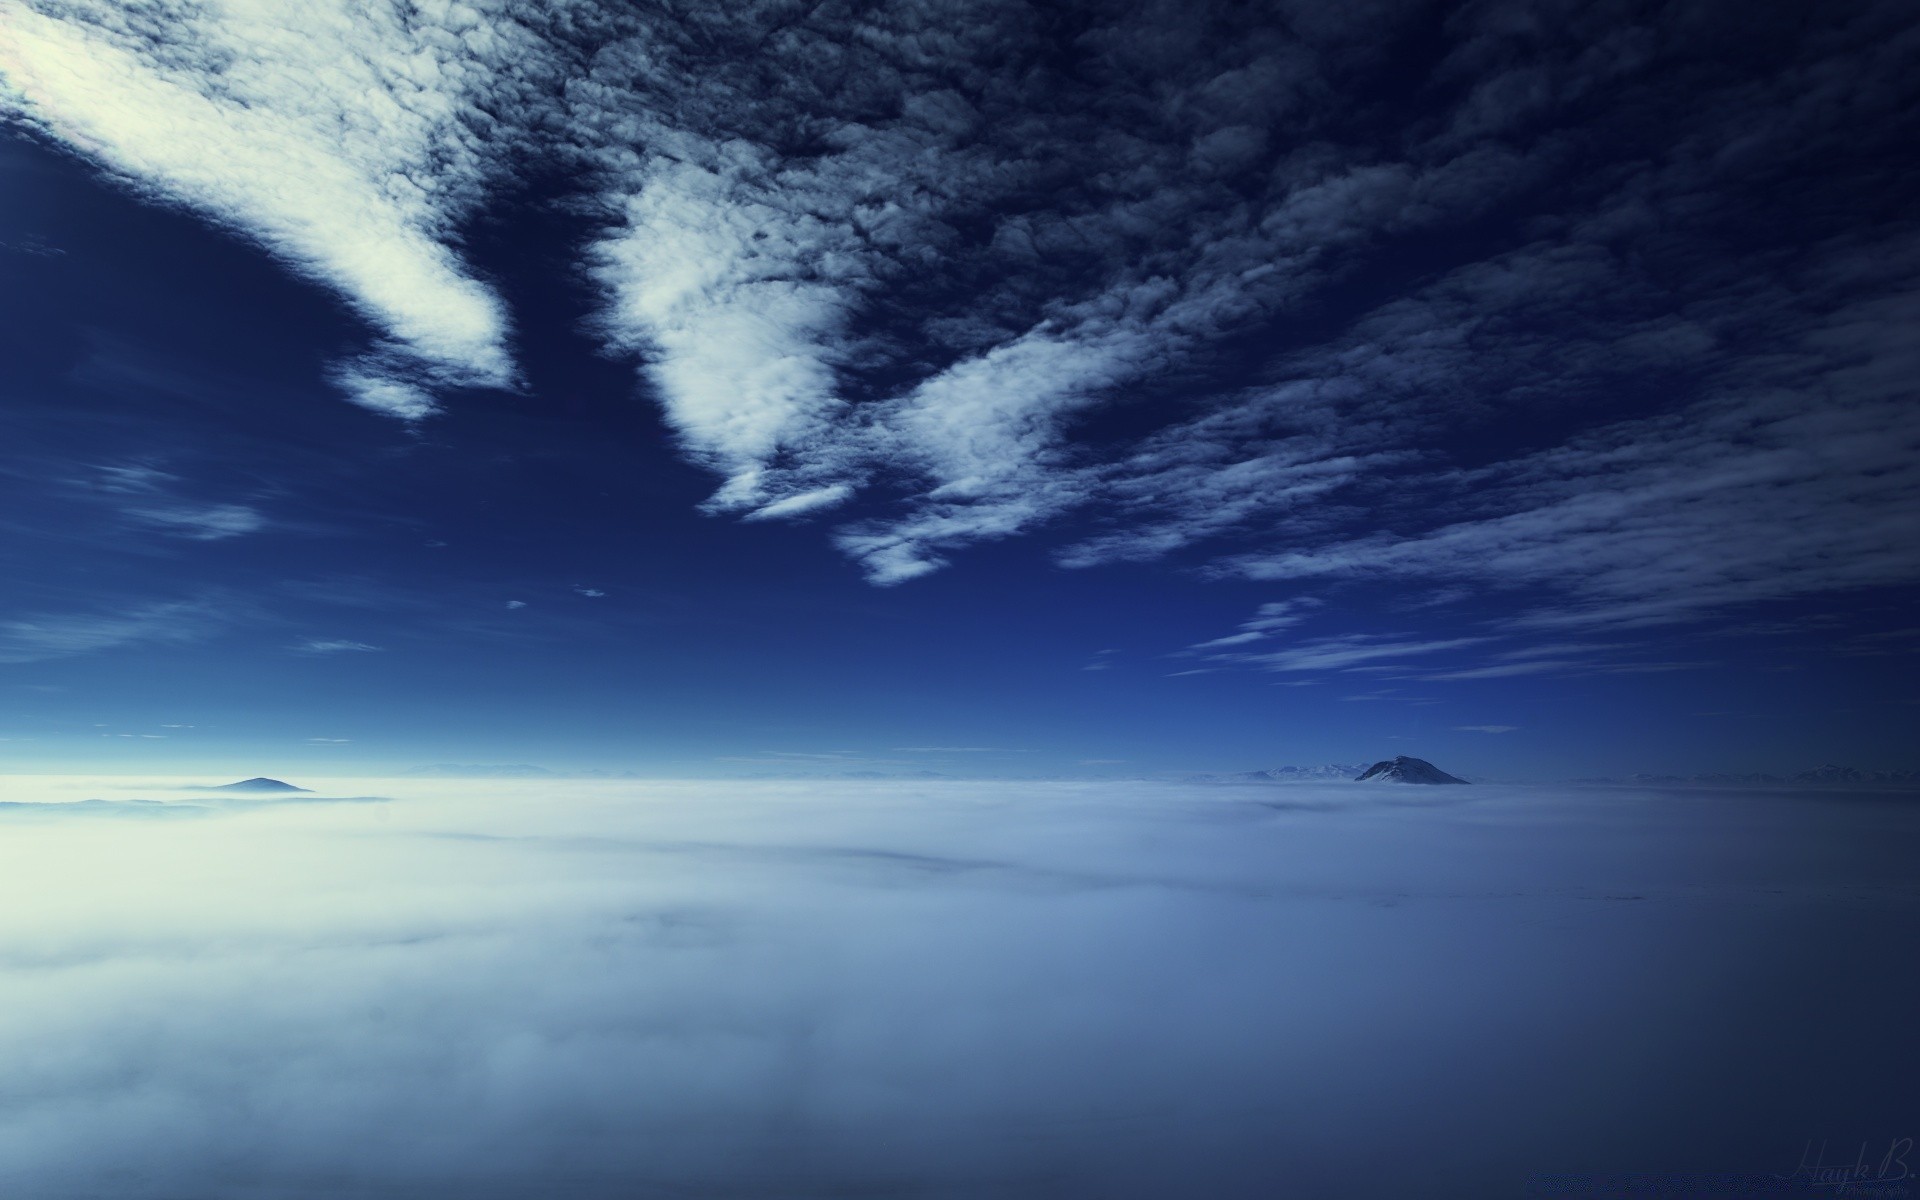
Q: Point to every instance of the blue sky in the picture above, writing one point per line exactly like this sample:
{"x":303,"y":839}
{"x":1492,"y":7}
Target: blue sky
{"x":1118,"y":389}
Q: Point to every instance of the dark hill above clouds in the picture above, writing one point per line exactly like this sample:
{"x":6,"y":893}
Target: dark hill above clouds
{"x":1406,"y":770}
{"x":259,"y":783}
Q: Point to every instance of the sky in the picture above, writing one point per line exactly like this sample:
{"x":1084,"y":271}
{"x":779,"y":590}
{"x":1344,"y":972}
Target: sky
{"x":971,"y":388}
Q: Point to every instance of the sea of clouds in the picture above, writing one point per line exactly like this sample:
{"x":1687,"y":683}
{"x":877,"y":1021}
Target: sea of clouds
{"x":852,"y":989}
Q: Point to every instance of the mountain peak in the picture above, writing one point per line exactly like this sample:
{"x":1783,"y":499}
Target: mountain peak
{"x":259,"y":783}
{"x":1406,"y":770}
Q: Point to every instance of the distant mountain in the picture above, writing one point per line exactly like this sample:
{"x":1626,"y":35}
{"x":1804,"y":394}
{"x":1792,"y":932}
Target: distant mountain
{"x":112,"y":808}
{"x":1406,"y":770}
{"x":1832,"y":774}
{"x":259,"y":783}
{"x":483,"y":771}
{"x":1829,"y":775}
{"x":1327,"y":773}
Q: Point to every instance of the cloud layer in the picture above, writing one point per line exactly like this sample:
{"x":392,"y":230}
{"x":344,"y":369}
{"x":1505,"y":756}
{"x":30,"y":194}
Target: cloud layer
{"x":595,"y":990}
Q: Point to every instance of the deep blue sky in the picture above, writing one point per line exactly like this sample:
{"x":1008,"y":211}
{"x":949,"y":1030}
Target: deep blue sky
{"x":777,"y":389}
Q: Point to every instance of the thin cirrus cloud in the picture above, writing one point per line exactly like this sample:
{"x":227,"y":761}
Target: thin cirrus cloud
{"x":901,"y":262}
{"x":60,"y":635}
{"x":332,"y":646}
{"x":210,"y":523}
{"x":1267,"y":620}
{"x":1347,"y":652}
{"x":147,"y":498}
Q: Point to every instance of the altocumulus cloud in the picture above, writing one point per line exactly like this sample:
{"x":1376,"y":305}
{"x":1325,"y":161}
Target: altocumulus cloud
{"x":963,"y":269}
{"x":1119,"y":990}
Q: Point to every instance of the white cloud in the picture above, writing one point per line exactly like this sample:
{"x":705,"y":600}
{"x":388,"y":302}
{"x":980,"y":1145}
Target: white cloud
{"x":805,"y":502}
{"x":347,"y":139}
{"x":385,"y":394}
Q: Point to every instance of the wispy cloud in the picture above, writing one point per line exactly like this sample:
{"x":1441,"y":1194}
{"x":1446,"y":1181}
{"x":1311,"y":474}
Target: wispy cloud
{"x":1268,"y":619}
{"x":1557,"y":666}
{"x":210,"y":524}
{"x":1486,"y":728}
{"x":144,"y":497}
{"x":1538,"y":666}
{"x":1232,"y":639}
{"x":1336,"y":653}
{"x":33,"y":638}
{"x":332,"y":646}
